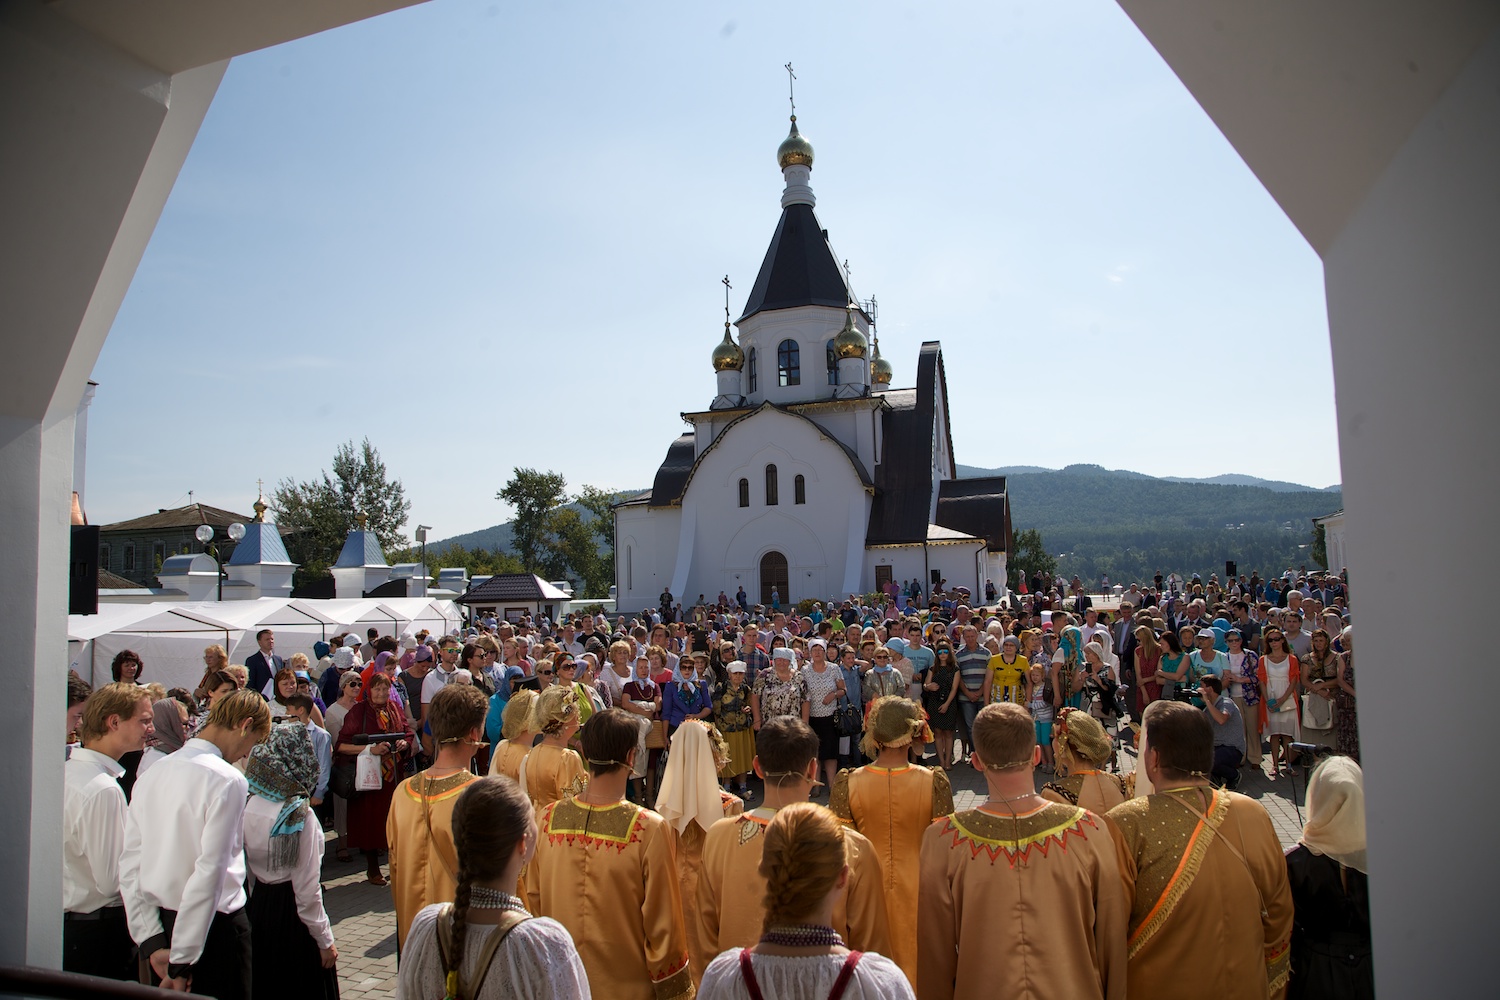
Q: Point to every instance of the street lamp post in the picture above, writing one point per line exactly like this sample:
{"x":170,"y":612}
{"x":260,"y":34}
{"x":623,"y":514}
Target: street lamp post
{"x":205,"y":534}
{"x":422,"y":530}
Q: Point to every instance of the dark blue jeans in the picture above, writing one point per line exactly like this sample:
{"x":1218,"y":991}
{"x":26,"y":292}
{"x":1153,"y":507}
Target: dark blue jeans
{"x":1227,"y":764}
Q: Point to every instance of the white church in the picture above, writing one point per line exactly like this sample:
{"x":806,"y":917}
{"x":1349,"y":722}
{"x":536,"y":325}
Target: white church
{"x":808,"y":473}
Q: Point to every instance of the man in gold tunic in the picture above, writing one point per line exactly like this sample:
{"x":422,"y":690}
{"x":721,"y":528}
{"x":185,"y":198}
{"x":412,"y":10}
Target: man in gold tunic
{"x":604,"y":869}
{"x":1211,"y":908}
{"x":1021,"y":894}
{"x":730,"y":885}
{"x":893,"y":802}
{"x":419,"y":826}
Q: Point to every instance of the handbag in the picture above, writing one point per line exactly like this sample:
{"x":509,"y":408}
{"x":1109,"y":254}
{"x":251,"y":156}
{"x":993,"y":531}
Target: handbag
{"x":846,"y":718}
{"x":367,"y":772}
{"x":341,"y":780}
{"x":1317,"y":712}
{"x":656,"y":736}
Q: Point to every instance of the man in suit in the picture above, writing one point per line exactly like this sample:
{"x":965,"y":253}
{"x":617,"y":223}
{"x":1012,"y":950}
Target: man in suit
{"x":264,"y":664}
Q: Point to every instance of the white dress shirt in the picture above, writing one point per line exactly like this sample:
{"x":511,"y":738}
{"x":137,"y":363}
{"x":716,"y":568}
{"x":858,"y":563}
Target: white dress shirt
{"x":260,"y":816}
{"x":184,"y":848}
{"x":93,"y":831}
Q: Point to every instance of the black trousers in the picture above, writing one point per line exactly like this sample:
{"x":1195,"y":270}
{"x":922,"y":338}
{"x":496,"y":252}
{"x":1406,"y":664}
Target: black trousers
{"x":223,"y":970}
{"x":98,"y":944}
{"x":1227,"y":764}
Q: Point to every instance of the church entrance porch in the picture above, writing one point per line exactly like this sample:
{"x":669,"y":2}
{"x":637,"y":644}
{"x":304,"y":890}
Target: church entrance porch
{"x":773,"y":574}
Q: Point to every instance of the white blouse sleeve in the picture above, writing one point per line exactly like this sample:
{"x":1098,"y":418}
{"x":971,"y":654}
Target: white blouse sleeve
{"x":305,"y":883}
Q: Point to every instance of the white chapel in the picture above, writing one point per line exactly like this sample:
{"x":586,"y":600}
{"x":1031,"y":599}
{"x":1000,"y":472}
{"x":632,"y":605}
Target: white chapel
{"x":808,"y":473}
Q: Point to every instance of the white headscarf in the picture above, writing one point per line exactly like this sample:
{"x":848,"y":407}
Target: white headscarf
{"x":1336,"y":813}
{"x":690,"y":786}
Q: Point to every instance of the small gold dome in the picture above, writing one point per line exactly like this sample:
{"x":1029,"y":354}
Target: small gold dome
{"x":794,"y":149}
{"x":850,"y":343}
{"x":728,"y":356}
{"x":881,"y":370}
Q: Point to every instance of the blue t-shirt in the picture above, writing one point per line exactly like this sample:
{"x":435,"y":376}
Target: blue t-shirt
{"x":922,"y":658}
{"x":1200,"y":669}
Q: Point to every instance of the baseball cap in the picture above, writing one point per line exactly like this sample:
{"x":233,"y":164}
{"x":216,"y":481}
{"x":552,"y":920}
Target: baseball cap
{"x":1207,"y":633}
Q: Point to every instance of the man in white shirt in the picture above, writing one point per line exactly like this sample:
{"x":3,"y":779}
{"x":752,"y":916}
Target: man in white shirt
{"x":116,"y":720}
{"x":182,"y":870}
{"x":568,"y":641}
{"x":299,"y":708}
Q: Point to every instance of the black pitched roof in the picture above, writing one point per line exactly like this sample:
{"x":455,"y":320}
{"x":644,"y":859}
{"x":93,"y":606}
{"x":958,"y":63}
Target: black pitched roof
{"x":671,"y":478}
{"x":977,"y":507}
{"x":505,"y":587}
{"x":903,"y":480}
{"x":800,"y":268}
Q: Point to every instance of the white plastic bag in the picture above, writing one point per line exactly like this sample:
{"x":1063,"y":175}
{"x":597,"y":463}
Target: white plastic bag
{"x":367,"y":772}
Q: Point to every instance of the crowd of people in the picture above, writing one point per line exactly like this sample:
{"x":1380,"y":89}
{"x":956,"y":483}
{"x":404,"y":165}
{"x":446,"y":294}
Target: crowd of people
{"x":567,"y":809}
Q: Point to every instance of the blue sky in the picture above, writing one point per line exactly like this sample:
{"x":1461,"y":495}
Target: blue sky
{"x":490,"y":234}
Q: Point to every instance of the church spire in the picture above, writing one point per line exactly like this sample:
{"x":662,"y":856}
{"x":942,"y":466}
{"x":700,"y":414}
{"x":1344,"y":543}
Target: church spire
{"x":795,"y":157}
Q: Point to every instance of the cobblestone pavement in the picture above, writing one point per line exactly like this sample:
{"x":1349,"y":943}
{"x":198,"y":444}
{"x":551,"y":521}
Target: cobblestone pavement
{"x":364,"y":922}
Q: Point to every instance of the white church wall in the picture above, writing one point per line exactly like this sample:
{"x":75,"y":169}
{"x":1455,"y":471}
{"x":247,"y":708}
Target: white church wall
{"x":645,"y":553}
{"x":811,"y":327}
{"x":959,"y":564}
{"x":729,"y":541}
{"x":905,"y":562}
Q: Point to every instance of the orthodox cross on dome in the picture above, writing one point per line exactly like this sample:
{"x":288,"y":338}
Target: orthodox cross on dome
{"x":727,"y":287}
{"x":872,"y":309}
{"x":791,"y":92}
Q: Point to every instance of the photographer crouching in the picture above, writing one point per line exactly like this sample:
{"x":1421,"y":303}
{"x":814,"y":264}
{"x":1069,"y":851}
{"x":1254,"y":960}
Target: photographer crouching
{"x":1229,"y":731}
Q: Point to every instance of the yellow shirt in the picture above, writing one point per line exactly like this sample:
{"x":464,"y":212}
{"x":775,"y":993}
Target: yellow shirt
{"x":1008,"y":680}
{"x":419,"y":829}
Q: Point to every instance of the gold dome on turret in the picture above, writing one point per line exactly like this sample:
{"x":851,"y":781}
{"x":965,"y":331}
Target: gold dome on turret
{"x":849,"y":342}
{"x":881,"y":370}
{"x":794,"y":149}
{"x":727,"y":355}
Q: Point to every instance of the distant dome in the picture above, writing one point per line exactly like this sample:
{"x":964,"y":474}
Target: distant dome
{"x":881,"y":370}
{"x":727,"y":355}
{"x":794,"y":149}
{"x":850,"y":343}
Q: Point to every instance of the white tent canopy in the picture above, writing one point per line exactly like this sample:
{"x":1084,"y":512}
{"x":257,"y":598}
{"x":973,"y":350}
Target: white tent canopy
{"x":170,"y":639}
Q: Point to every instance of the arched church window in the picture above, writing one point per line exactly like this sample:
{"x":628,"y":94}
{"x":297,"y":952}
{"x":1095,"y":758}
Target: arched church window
{"x":771,"y":500}
{"x":799,"y":490}
{"x":789,"y":363}
{"x":750,"y":379}
{"x":744,"y":492}
{"x":833,"y":364}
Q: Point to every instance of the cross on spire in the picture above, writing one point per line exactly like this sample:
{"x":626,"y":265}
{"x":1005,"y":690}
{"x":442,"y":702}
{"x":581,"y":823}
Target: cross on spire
{"x":727,"y":287}
{"x":260,"y":488}
{"x":791,"y":92}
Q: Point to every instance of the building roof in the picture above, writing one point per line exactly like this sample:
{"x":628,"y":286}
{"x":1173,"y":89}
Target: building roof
{"x":361,"y":548}
{"x":978,"y":507}
{"x":903,"y":480}
{"x":671,"y":478}
{"x":800,"y":268}
{"x":526,"y":588}
{"x":113,"y":581}
{"x":190,"y":516}
{"x":261,"y":545}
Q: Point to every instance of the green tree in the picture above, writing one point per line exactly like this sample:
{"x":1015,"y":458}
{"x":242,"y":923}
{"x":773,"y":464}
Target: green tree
{"x":1319,"y":551}
{"x":1030,"y":557}
{"x":600,"y":504}
{"x":534,"y":495}
{"x":316,"y":516}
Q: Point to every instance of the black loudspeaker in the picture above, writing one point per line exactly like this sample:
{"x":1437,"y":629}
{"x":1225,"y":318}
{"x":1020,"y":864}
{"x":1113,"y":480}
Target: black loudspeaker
{"x":1231,"y":569}
{"x":83,"y":571}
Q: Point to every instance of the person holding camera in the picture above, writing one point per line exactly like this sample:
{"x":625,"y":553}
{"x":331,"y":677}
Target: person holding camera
{"x":1229,"y":731}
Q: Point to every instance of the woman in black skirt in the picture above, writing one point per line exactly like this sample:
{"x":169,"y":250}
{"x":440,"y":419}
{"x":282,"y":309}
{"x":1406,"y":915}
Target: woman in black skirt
{"x":291,"y":941}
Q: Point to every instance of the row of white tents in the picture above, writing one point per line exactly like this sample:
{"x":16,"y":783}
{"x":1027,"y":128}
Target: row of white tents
{"x":171,"y":636}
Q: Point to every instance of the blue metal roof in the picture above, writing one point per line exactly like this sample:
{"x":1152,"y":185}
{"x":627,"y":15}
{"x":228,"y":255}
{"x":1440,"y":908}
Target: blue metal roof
{"x":361,"y":548}
{"x":261,"y":544}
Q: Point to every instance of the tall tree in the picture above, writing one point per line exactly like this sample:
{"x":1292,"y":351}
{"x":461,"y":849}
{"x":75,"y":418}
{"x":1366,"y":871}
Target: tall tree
{"x":534,"y":495}
{"x":317,"y":515}
{"x":578,"y":547}
{"x":1320,"y":545}
{"x":600,"y":505}
{"x":1029,"y":558}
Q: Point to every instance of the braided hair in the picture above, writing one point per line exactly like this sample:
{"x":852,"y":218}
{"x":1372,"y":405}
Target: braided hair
{"x":490,"y":818}
{"x":805,"y":852}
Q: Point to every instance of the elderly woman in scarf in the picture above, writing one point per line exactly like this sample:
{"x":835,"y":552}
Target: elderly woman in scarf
{"x":1331,"y":889}
{"x":692,"y":801}
{"x":291,"y":940}
{"x":1080,"y":746}
{"x":167,"y":718}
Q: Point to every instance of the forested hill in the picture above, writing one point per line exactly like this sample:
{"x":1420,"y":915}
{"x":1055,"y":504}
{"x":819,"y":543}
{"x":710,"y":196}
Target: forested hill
{"x":1131,"y":526}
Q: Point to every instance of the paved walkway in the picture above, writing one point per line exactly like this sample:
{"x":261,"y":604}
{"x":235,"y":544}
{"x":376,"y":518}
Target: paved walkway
{"x":364,"y":923}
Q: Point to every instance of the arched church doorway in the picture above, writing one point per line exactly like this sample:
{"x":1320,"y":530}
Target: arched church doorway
{"x":773,"y":574}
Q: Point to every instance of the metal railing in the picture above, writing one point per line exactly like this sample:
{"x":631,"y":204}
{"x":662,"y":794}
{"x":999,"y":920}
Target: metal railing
{"x":30,"y":981}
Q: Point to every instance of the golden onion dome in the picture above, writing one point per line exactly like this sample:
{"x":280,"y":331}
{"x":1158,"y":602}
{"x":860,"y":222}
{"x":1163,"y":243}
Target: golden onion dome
{"x":794,"y":149}
{"x":881,"y":370}
{"x":727,"y":355}
{"x":850,"y":343}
